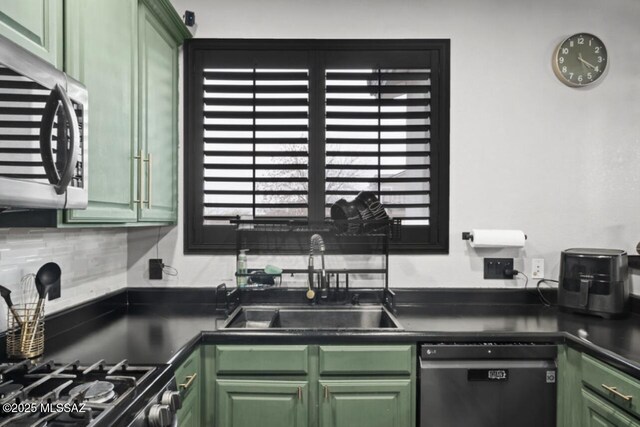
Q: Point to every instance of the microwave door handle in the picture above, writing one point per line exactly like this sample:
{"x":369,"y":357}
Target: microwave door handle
{"x":74,"y":139}
{"x":60,"y":181}
{"x":46,"y":135}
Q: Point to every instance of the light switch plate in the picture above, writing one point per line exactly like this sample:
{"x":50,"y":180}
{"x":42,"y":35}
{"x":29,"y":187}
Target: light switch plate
{"x":537,"y":268}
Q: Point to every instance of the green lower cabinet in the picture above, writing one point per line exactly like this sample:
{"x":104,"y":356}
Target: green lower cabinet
{"x":597,"y":412}
{"x":189,"y":414}
{"x":365,"y":403}
{"x":569,"y":386}
{"x":583,"y":400}
{"x":264,"y":403}
{"x":189,"y":376}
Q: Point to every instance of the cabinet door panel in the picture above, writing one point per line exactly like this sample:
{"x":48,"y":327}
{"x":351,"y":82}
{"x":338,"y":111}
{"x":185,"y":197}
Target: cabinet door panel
{"x":35,"y":25}
{"x":101,"y":53}
{"x":189,"y":377}
{"x":365,"y":403}
{"x":158,"y":62}
{"x":597,"y":412}
{"x":597,"y":375}
{"x":569,"y":387}
{"x":189,"y":414}
{"x":250,"y":403}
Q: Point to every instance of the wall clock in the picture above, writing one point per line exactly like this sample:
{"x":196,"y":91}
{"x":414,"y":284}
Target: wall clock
{"x":580,"y":60}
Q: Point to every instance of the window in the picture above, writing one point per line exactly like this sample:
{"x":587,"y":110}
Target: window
{"x":283,"y":129}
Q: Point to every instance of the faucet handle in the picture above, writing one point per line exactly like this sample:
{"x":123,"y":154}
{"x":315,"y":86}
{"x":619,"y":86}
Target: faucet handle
{"x":355,"y":299}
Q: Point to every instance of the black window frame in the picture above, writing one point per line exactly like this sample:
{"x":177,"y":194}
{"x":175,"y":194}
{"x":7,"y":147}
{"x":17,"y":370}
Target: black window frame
{"x":205,"y":239}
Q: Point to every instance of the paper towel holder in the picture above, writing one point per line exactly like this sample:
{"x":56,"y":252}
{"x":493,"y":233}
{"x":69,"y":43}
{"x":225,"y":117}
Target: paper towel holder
{"x":466,"y":235}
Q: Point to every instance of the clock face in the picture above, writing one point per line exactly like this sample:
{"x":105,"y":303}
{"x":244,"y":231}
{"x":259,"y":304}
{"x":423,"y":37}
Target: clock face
{"x":580,"y":60}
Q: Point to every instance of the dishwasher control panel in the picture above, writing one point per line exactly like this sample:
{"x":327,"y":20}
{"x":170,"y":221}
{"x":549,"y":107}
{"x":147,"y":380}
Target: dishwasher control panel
{"x":488,"y":350}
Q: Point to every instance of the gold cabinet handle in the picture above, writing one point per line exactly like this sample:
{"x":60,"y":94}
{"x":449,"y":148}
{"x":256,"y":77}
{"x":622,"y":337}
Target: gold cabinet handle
{"x":614,"y":390}
{"x":189,"y":379}
{"x":326,"y":392}
{"x":149,"y":180}
{"x":299,"y":393}
{"x":138,"y":159}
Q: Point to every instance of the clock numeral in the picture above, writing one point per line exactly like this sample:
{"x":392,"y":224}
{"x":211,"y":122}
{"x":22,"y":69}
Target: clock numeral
{"x":600,"y":59}
{"x":590,"y":40}
{"x":597,"y":49}
{"x":580,"y":78}
{"x":564,"y":69}
{"x":590,"y":76}
{"x":561,"y":60}
{"x":597,"y":69}
{"x":565,"y":50}
{"x":571,"y":43}
{"x":580,"y":40}
{"x":570,"y":76}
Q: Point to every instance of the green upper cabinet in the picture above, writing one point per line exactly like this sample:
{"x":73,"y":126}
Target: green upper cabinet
{"x":35,"y":25}
{"x":100,"y":52}
{"x":366,"y":403}
{"x":158,"y":117}
{"x":265,"y":403}
{"x":126,"y":53}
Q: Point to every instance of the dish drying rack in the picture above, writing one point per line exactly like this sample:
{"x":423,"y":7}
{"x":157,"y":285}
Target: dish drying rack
{"x":378,"y":241}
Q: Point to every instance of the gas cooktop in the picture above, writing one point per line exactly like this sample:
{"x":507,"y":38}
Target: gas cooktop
{"x":50,"y":394}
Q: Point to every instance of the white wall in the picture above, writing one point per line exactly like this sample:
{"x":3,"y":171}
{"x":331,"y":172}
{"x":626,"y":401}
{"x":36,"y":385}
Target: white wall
{"x":93,"y":262}
{"x":526,"y":152}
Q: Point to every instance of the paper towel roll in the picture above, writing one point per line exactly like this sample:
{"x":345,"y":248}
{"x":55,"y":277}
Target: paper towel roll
{"x":497,"y":238}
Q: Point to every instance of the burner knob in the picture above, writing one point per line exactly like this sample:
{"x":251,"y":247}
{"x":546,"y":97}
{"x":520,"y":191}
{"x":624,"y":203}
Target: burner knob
{"x":171,"y":398}
{"x":160,"y":416}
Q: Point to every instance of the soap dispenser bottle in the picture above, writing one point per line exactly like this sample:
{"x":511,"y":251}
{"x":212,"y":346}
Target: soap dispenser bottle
{"x":241,"y":268}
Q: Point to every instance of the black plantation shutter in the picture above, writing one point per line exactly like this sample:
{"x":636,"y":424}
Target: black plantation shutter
{"x":378,"y":138}
{"x":279,"y":129}
{"x":256,"y":135}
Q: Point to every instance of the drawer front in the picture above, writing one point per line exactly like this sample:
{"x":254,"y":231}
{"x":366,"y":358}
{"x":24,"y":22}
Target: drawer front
{"x":185,"y":374}
{"x":615,"y":386}
{"x":262,"y":359}
{"x":366,"y":360}
{"x":598,"y":412}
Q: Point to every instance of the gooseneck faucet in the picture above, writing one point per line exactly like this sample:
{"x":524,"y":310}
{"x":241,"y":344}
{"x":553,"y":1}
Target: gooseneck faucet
{"x":316,"y":244}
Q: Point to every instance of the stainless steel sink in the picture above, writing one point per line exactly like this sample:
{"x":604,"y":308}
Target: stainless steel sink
{"x":374,"y":317}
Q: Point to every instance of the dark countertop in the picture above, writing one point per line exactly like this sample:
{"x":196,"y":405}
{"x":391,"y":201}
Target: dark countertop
{"x":164,"y":331}
{"x":142,"y":334}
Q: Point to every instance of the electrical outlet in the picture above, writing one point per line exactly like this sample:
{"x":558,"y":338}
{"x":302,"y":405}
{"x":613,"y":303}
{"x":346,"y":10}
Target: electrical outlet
{"x":494,"y":268}
{"x":155,"y":269}
{"x":537,"y":268}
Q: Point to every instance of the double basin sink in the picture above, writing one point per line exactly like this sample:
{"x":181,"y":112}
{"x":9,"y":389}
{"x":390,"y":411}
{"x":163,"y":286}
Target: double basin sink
{"x":374,"y":317}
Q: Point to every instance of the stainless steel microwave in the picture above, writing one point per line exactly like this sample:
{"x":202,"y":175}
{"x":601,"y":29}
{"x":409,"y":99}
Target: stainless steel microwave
{"x":43,"y":133}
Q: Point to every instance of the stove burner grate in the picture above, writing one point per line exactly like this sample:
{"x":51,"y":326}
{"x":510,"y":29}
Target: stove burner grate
{"x":94,"y":392}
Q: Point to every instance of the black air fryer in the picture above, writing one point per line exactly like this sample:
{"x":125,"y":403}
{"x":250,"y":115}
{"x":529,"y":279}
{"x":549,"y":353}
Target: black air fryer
{"x":594,"y":281}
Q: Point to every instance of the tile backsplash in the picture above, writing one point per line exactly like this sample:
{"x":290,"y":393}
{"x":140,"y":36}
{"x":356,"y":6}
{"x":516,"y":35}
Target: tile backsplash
{"x":93,"y":262}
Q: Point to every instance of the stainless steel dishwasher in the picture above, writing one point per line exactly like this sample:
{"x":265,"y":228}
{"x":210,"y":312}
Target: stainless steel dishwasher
{"x":488,"y":385}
